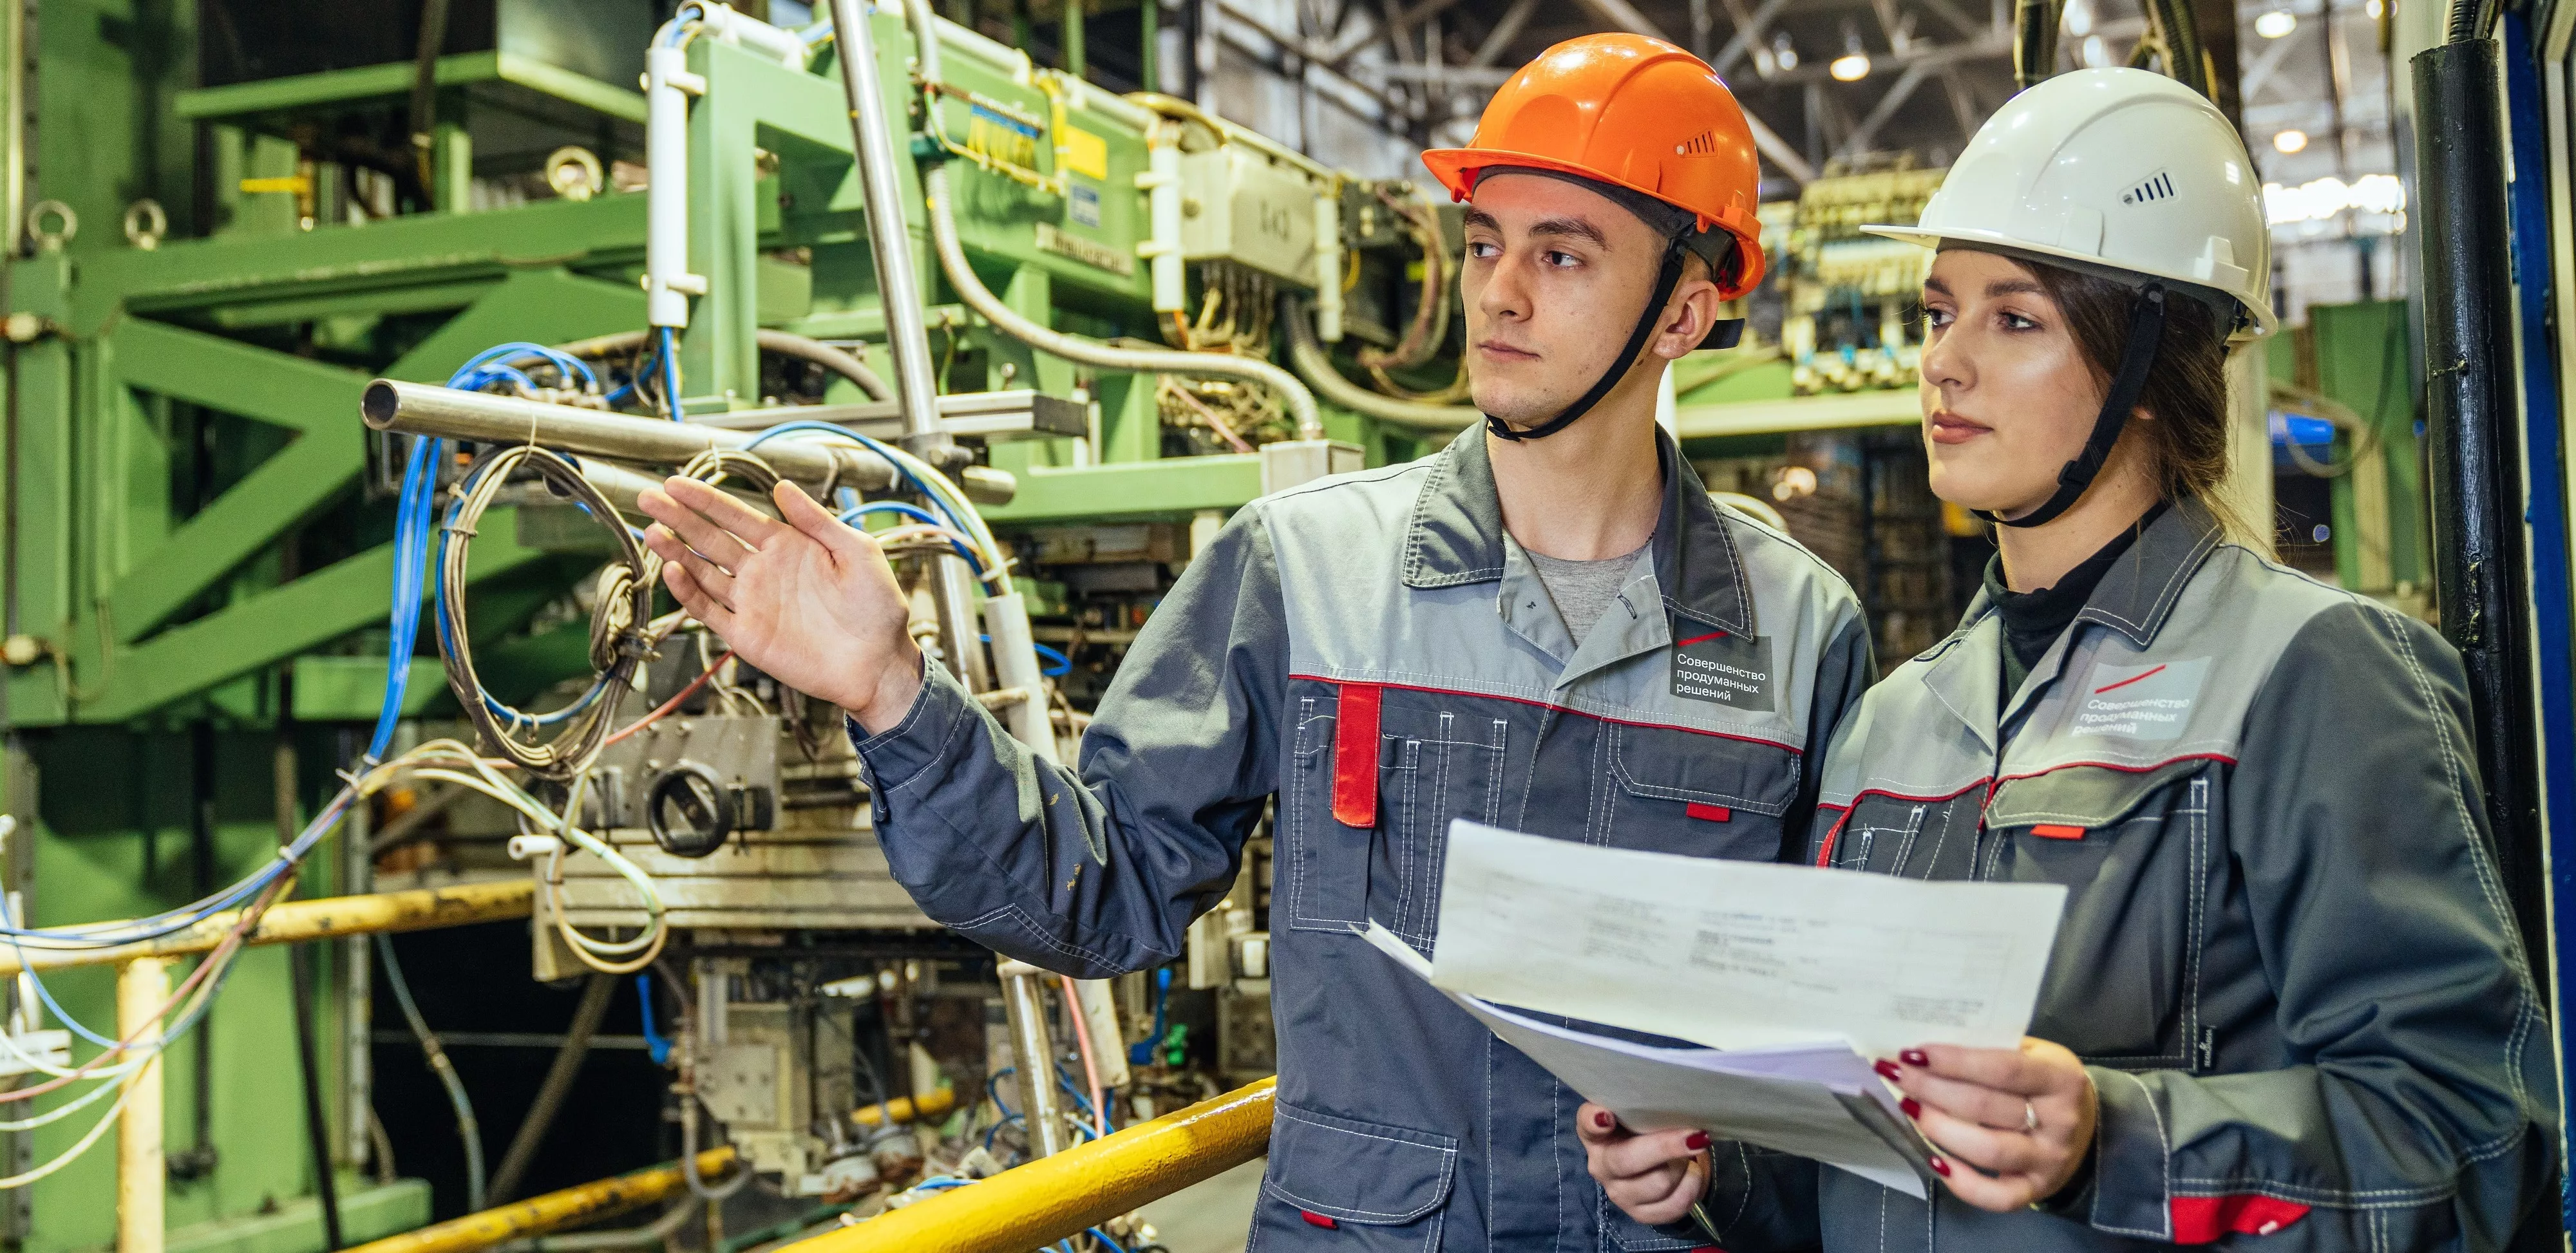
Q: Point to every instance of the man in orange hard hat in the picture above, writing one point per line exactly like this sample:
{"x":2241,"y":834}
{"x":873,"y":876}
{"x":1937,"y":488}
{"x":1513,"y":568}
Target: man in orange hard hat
{"x":1547,"y":626}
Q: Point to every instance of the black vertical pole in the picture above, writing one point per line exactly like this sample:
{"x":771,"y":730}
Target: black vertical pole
{"x":2472,"y":425}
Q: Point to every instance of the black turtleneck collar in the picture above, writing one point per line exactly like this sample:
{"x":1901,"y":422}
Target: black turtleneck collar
{"x":2033,"y":620}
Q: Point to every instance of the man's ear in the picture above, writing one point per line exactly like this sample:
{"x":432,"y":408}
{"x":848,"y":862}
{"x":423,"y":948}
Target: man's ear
{"x":1689,"y":315}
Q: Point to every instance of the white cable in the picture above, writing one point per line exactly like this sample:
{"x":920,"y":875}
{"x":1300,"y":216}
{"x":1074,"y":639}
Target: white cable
{"x":83,"y":1101}
{"x":87,"y":1139}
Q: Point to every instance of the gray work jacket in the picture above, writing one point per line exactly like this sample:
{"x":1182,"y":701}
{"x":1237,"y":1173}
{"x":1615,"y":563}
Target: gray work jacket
{"x":1376,"y":653}
{"x":2286,"y":956}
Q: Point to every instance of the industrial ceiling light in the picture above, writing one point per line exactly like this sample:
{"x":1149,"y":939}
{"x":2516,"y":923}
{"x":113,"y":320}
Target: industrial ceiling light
{"x":2097,"y":54}
{"x":2290,"y":141}
{"x":2276,"y":23}
{"x":1783,"y":53}
{"x":2078,"y":18}
{"x":1853,"y":65}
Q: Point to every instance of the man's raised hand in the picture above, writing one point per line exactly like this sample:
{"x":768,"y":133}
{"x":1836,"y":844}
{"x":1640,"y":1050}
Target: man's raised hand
{"x":809,"y":601}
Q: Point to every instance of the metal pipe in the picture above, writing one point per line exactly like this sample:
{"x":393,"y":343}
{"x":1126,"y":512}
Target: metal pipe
{"x":293,"y":922}
{"x":1317,"y":366}
{"x":668,"y":84}
{"x":1036,"y":1204}
{"x":903,"y":1109}
{"x":784,"y":343}
{"x":540,"y":1214}
{"x":13,"y":137}
{"x":889,"y":241}
{"x":421,"y":409}
{"x":952,"y":262}
{"x":142,"y":988}
{"x":622,"y":486}
{"x":952,"y":589}
{"x":1033,"y":1053}
{"x":551,"y":1093}
{"x":1015,"y":665}
{"x":2479,"y":573}
{"x":2034,"y":42}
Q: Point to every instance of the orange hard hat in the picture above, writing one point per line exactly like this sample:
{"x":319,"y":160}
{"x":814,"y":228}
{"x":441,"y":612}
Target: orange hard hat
{"x":1632,"y":112}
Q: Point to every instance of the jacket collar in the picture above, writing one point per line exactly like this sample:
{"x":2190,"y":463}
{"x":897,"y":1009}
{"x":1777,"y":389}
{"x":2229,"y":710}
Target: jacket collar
{"x":2134,"y":598}
{"x":1455,"y":535}
{"x":2138,"y":592}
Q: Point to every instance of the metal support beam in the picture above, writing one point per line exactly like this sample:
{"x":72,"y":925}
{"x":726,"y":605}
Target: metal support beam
{"x":1746,"y":36}
{"x":1507,"y":29}
{"x":1897,"y":94}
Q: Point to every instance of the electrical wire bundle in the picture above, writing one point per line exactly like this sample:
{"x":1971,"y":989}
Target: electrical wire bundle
{"x":955,"y":523}
{"x":617,"y":643}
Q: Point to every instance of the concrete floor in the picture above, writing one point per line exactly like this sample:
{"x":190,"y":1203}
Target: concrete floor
{"x":1209,"y":1217}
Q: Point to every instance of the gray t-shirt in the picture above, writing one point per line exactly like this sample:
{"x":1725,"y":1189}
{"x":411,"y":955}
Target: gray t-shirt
{"x":1583,"y":589}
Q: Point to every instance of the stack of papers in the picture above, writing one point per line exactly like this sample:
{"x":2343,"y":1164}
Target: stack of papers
{"x":1792,"y":979}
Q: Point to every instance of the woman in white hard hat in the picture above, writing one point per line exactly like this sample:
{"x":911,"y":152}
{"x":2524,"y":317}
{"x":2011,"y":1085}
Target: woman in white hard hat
{"x":2286,"y":1001}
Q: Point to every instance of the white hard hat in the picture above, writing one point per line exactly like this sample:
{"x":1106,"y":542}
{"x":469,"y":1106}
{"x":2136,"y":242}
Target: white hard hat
{"x":2113,"y":168}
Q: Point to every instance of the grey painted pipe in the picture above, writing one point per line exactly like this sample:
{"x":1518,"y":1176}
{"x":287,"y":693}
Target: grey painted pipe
{"x":423,"y":409}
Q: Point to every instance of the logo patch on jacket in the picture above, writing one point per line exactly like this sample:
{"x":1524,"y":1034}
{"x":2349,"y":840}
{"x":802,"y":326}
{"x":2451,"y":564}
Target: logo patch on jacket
{"x":1724,"y":669}
{"x":2144,"y":702}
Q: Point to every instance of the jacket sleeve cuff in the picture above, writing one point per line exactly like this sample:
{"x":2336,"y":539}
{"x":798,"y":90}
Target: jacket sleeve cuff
{"x":897,"y":755}
{"x":2131,"y":1190}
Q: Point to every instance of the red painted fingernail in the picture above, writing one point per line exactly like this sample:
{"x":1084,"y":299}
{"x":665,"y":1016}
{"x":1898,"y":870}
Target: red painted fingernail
{"x":1604,"y":1121}
{"x":1914,"y":1057}
{"x":1913,"y":1108}
{"x":1888,"y":1070}
{"x":1698,"y":1140}
{"x":1940,"y":1168}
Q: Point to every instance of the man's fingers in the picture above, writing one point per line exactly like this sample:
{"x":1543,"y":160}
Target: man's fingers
{"x":807,"y":515}
{"x":695,"y":599}
{"x":722,"y":509}
{"x":703,"y":577}
{"x":691,"y":526}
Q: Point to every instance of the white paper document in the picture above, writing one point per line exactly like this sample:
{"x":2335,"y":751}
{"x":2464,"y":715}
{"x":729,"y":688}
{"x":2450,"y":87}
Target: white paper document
{"x":1735,"y":954}
{"x":1794,"y":978}
{"x":1817,"y":1100}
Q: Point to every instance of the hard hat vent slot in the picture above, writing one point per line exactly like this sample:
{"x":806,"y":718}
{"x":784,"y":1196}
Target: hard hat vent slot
{"x":1703,"y":144}
{"x":2157,"y":186}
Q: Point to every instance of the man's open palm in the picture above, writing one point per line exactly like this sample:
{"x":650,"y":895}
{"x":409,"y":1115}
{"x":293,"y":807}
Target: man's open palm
{"x":809,"y":601}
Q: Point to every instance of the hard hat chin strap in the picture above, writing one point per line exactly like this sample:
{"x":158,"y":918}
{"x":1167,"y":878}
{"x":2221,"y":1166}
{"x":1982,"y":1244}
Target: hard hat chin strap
{"x":1665,"y":281}
{"x":2146,"y":330}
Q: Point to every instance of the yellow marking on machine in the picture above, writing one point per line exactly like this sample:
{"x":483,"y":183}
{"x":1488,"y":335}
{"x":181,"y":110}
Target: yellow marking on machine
{"x":291,"y":922}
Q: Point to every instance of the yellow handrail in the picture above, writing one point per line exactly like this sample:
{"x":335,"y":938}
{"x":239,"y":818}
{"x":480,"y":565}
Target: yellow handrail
{"x":1051,"y":1198}
{"x":290,"y":922}
{"x":540,"y":1214}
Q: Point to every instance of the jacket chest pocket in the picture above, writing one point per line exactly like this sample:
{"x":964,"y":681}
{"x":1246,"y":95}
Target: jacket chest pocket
{"x":1377,"y":777}
{"x":1673,"y":791}
{"x":2133,"y":850}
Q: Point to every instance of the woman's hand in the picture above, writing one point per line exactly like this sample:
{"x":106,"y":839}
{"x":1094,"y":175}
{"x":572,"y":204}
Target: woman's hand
{"x":1655,"y":1176}
{"x":2023,"y":1116}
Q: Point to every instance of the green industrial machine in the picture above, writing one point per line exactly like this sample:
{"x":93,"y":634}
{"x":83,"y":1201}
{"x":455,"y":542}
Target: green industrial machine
{"x":224,"y":219}
{"x":197,"y":538}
